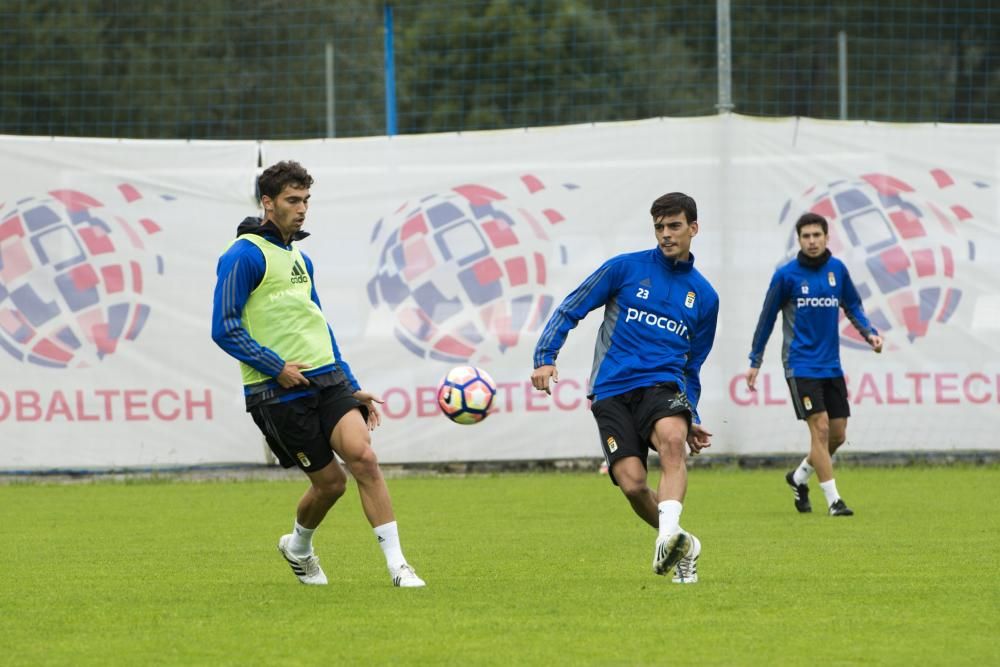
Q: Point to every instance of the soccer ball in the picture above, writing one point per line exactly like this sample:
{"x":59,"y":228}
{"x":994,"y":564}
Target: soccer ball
{"x":466,"y":394}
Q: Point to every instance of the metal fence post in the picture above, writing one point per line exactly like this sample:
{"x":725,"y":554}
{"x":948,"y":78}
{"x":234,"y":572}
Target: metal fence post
{"x":331,"y":118}
{"x":390,"y":74}
{"x":842,"y":71}
{"x":724,"y":61}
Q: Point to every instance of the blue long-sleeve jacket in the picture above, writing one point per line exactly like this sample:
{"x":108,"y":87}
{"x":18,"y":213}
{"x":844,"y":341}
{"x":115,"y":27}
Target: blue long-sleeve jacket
{"x":810,"y":299}
{"x":659,"y":324}
{"x":240,"y":269}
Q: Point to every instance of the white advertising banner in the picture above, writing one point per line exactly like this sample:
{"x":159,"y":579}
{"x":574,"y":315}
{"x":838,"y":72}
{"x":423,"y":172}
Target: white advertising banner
{"x":433,"y":251}
{"x":107,"y":264}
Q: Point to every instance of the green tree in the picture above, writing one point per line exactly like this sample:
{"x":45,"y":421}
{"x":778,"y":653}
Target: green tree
{"x":921,"y":60}
{"x":227,"y":69}
{"x":504,"y":63}
{"x":215,"y":69}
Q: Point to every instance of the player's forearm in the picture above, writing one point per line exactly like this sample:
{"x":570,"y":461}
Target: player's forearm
{"x":549,"y":343}
{"x":859,"y":321}
{"x":237,"y":343}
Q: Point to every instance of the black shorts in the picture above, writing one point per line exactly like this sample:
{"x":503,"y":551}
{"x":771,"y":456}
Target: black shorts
{"x":813,"y":395}
{"x":626,"y":421}
{"x":298,"y":431}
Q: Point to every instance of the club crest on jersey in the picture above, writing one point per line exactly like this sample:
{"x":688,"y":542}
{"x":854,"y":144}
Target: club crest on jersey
{"x":806,"y":401}
{"x":612,"y":444}
{"x":831,"y":279}
{"x":805,"y":287}
{"x":689,"y":300}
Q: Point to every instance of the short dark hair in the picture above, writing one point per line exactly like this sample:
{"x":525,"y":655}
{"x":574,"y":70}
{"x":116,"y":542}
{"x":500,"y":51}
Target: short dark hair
{"x":811,"y":219}
{"x":277,"y":176}
{"x":673,"y":203}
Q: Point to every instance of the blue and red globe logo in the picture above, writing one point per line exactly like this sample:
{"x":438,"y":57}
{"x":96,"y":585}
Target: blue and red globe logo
{"x":72,"y":276}
{"x":465,"y":273}
{"x":902,"y":241}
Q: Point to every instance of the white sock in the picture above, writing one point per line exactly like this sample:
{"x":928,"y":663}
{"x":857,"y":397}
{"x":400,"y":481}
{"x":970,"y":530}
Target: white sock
{"x":803,"y":472}
{"x":670,"y":518}
{"x":830,"y":491}
{"x":388,"y":538}
{"x":301,"y":544}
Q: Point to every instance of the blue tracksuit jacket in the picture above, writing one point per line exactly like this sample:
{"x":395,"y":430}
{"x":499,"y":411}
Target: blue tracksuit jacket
{"x":810,"y":299}
{"x":659,"y":324}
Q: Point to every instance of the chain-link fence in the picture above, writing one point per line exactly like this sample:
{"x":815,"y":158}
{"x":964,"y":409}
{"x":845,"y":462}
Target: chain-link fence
{"x":222,"y":69}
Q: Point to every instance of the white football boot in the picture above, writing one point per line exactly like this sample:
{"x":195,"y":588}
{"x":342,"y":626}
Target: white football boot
{"x":687,"y":567}
{"x":669,"y":551}
{"x":306,"y":568}
{"x":405,"y":577}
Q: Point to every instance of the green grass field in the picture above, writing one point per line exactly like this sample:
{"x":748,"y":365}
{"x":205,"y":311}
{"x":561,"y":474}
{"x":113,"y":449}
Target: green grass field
{"x":522,"y":569}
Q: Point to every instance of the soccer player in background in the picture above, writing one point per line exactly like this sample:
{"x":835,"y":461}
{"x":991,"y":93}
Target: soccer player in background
{"x":809,"y":291}
{"x":299,"y":391}
{"x":659,"y":324}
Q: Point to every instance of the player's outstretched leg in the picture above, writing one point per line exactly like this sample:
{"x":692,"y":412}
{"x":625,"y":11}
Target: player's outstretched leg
{"x":801,"y":493}
{"x":351,"y":440}
{"x":306,"y":568}
{"x":687,"y":567}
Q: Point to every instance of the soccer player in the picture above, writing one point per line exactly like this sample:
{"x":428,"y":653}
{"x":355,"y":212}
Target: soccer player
{"x":809,"y":291}
{"x":659,"y":325}
{"x":299,"y":391}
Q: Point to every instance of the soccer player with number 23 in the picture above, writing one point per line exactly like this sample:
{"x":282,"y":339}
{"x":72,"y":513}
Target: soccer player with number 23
{"x":659,"y":324}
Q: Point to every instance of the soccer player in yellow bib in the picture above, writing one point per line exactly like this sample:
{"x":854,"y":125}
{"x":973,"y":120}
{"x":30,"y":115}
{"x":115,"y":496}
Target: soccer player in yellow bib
{"x":299,"y":390}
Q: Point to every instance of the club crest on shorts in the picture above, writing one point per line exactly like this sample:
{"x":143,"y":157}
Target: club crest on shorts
{"x":832,"y":279}
{"x":689,"y":300}
{"x":303,"y":459}
{"x":612,"y":444}
{"x":806,"y":401}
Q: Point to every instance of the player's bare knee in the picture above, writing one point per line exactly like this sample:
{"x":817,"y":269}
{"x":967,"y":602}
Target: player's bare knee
{"x":674,"y":457}
{"x":671,"y":451}
{"x":330,"y":490}
{"x":633,"y":488}
{"x":364,"y":466}
{"x":821,"y":431}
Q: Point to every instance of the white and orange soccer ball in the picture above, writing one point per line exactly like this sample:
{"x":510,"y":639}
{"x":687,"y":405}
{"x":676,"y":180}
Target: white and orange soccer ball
{"x":466,"y":394}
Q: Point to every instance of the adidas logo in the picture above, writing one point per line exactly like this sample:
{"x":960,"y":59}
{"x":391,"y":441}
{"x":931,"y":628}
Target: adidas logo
{"x":299,"y":274}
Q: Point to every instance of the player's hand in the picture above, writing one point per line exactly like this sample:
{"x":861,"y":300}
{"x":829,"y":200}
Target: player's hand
{"x":698,"y":438}
{"x":876,"y":342}
{"x":752,"y":378}
{"x":541,"y":376}
{"x":291,"y":375}
{"x":370,"y":400}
